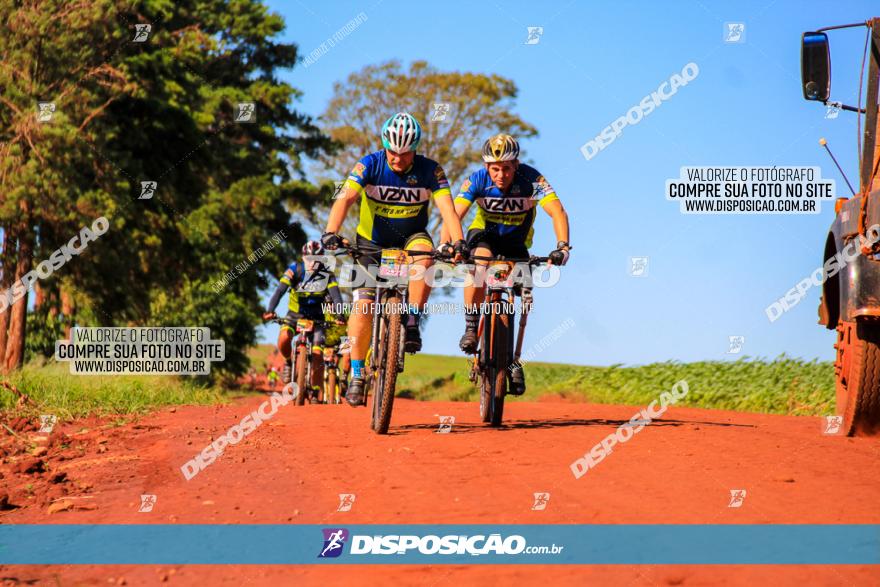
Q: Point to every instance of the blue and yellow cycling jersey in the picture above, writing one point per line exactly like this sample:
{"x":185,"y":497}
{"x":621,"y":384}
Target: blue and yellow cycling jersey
{"x":512,"y":214}
{"x":309,"y":289}
{"x":394,"y":206}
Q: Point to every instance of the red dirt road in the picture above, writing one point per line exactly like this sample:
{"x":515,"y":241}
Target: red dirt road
{"x":292,"y":469}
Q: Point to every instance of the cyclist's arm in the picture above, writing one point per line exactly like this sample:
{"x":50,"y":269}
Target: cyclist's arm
{"x":276,"y":297}
{"x":462,"y":205}
{"x":451,"y":221}
{"x":335,"y":296}
{"x":560,"y":218}
{"x":360,"y":176}
{"x":350,"y":193}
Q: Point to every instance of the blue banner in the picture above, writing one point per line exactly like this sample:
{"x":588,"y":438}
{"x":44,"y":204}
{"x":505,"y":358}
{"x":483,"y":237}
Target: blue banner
{"x":649,"y":544}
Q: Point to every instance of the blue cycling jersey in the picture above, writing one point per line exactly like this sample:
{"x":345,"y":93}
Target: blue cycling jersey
{"x":394,"y":206}
{"x":511,"y":214}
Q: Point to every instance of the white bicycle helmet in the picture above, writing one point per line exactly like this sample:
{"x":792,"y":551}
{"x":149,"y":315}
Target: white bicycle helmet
{"x":401,"y":133}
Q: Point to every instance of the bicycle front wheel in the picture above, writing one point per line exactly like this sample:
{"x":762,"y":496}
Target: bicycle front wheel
{"x":390,"y":334}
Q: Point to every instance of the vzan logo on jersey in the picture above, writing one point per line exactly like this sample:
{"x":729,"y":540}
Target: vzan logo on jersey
{"x":507,"y":204}
{"x":398,"y":194}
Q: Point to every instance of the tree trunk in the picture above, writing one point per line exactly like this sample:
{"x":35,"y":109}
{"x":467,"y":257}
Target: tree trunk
{"x":6,"y":280}
{"x":18,"y":319}
{"x":67,"y":308}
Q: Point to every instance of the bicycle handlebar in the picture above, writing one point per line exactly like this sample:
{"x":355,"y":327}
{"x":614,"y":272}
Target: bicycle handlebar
{"x":532,"y":260}
{"x":355,"y":251}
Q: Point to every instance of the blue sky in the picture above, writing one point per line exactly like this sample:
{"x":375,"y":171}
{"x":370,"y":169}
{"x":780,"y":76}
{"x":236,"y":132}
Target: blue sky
{"x":709,"y":277}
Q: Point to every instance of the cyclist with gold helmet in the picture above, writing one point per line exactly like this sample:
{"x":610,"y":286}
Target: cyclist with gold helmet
{"x":394,"y":187}
{"x":507,"y":194}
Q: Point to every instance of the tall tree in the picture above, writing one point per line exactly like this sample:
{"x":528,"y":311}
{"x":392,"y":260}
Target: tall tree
{"x":473,"y":107}
{"x":167,"y":106}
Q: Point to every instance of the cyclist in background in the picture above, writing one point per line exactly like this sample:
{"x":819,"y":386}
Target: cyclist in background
{"x":507,"y":194}
{"x":394,"y":187}
{"x":310,"y":282}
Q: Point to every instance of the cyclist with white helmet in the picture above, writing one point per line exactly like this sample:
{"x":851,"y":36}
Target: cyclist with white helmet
{"x":507,"y":194}
{"x":310,"y":282}
{"x":394,"y":187}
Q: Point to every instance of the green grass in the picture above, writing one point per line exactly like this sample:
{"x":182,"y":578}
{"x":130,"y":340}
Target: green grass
{"x":54,"y":390}
{"x":781,"y":386}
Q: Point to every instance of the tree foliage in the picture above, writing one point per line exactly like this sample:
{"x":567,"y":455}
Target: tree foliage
{"x":479,"y":106}
{"x":162,"y":110}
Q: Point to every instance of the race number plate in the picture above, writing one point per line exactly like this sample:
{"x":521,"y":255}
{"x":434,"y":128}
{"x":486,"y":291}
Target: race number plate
{"x":393,"y":263}
{"x":499,"y":275}
{"x":304,"y":325}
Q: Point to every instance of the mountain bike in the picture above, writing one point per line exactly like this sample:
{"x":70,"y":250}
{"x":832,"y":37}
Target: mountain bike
{"x":496,"y":352}
{"x":301,"y":354}
{"x":386,"y":354}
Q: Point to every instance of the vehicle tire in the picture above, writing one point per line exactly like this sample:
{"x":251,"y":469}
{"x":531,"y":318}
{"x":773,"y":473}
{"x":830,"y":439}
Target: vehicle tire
{"x":301,"y":368}
{"x":392,"y":335}
{"x":330,"y":390}
{"x":858,"y":377}
{"x":500,"y":361}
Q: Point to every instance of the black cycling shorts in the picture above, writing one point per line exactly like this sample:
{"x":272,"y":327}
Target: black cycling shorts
{"x":499,"y":245}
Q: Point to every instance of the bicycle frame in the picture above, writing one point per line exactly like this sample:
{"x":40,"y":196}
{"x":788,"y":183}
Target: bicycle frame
{"x":489,"y":368}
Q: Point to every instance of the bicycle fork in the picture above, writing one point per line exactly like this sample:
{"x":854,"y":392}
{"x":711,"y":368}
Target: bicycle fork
{"x":521,"y":331}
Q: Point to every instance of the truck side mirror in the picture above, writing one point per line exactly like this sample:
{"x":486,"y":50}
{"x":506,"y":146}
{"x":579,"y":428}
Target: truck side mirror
{"x":815,"y":67}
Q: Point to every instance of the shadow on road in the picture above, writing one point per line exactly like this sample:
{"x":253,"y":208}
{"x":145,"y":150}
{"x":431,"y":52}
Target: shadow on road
{"x":459,"y":428}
